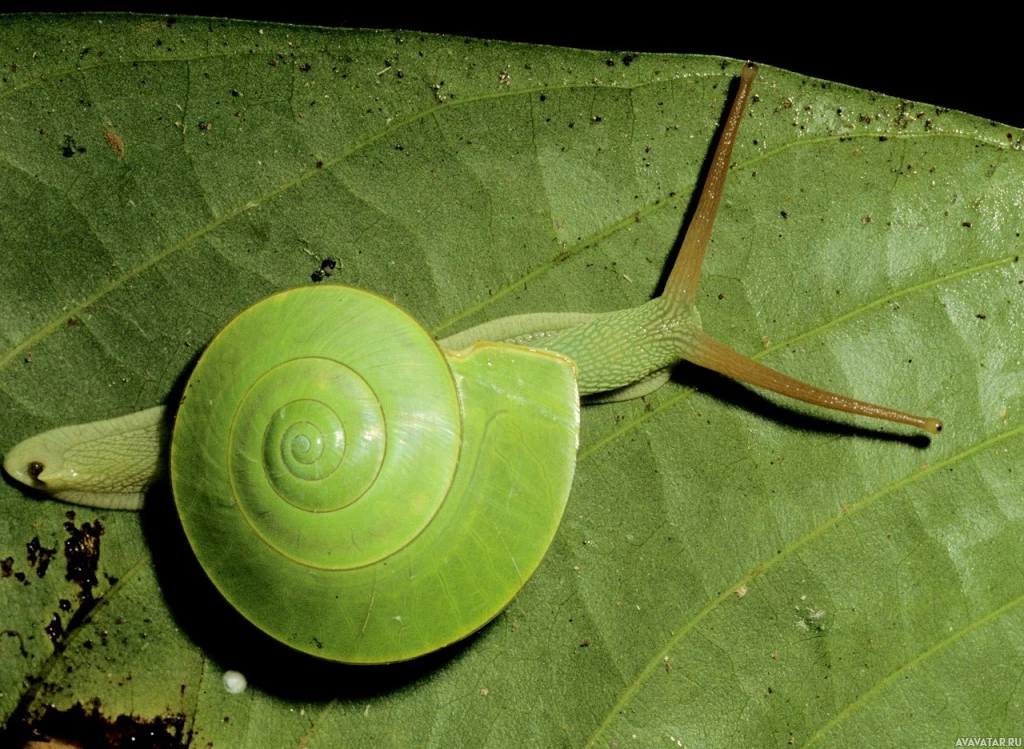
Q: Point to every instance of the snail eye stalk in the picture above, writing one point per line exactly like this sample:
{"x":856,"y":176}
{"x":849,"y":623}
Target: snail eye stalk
{"x":680,"y":291}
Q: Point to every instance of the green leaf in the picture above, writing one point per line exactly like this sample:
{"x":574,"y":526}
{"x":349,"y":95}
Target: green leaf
{"x":731,"y":568}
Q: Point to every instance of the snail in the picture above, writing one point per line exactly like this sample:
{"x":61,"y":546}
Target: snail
{"x":366,"y":494}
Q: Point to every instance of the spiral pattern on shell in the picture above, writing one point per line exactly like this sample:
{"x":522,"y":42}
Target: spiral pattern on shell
{"x":339,"y":478}
{"x":320,"y":438}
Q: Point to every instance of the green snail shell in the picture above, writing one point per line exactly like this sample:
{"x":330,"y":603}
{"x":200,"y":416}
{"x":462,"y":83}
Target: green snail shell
{"x":355,"y":492}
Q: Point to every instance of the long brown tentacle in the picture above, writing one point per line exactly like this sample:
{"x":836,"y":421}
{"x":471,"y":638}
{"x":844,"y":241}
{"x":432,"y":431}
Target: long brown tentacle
{"x":681,"y":287}
{"x":682,"y":281}
{"x":710,"y":354}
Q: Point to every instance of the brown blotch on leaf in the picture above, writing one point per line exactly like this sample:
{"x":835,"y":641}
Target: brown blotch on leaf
{"x":114,"y":141}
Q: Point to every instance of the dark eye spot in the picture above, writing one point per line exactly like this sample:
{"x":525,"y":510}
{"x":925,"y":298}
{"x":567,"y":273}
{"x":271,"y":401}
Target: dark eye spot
{"x":35,"y":468}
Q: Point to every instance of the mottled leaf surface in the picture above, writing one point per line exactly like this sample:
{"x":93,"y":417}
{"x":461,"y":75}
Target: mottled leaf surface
{"x":731,"y":569}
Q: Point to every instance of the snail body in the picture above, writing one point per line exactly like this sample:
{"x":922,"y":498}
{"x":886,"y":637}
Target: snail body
{"x":366,"y":494}
{"x":362,"y":477}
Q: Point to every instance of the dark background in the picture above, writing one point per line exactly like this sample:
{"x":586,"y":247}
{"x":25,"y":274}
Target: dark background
{"x":966,"y":62}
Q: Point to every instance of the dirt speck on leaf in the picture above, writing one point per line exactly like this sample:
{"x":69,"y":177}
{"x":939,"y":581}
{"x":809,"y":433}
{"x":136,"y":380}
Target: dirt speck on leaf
{"x":70,"y":148}
{"x":326,"y":268}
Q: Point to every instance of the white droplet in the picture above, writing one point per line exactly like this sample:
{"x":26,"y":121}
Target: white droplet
{"x":234,"y":682}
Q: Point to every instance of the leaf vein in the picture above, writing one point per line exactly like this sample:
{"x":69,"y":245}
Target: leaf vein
{"x":917,"y":660}
{"x":760,"y":570}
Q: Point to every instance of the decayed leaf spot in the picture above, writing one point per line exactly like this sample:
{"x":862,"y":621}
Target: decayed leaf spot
{"x":78,"y":727}
{"x":82,"y":552}
{"x":39,"y":556}
{"x":55,"y":631}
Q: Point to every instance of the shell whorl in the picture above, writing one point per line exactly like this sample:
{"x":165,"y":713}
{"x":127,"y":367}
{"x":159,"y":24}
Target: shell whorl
{"x":312,"y":412}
